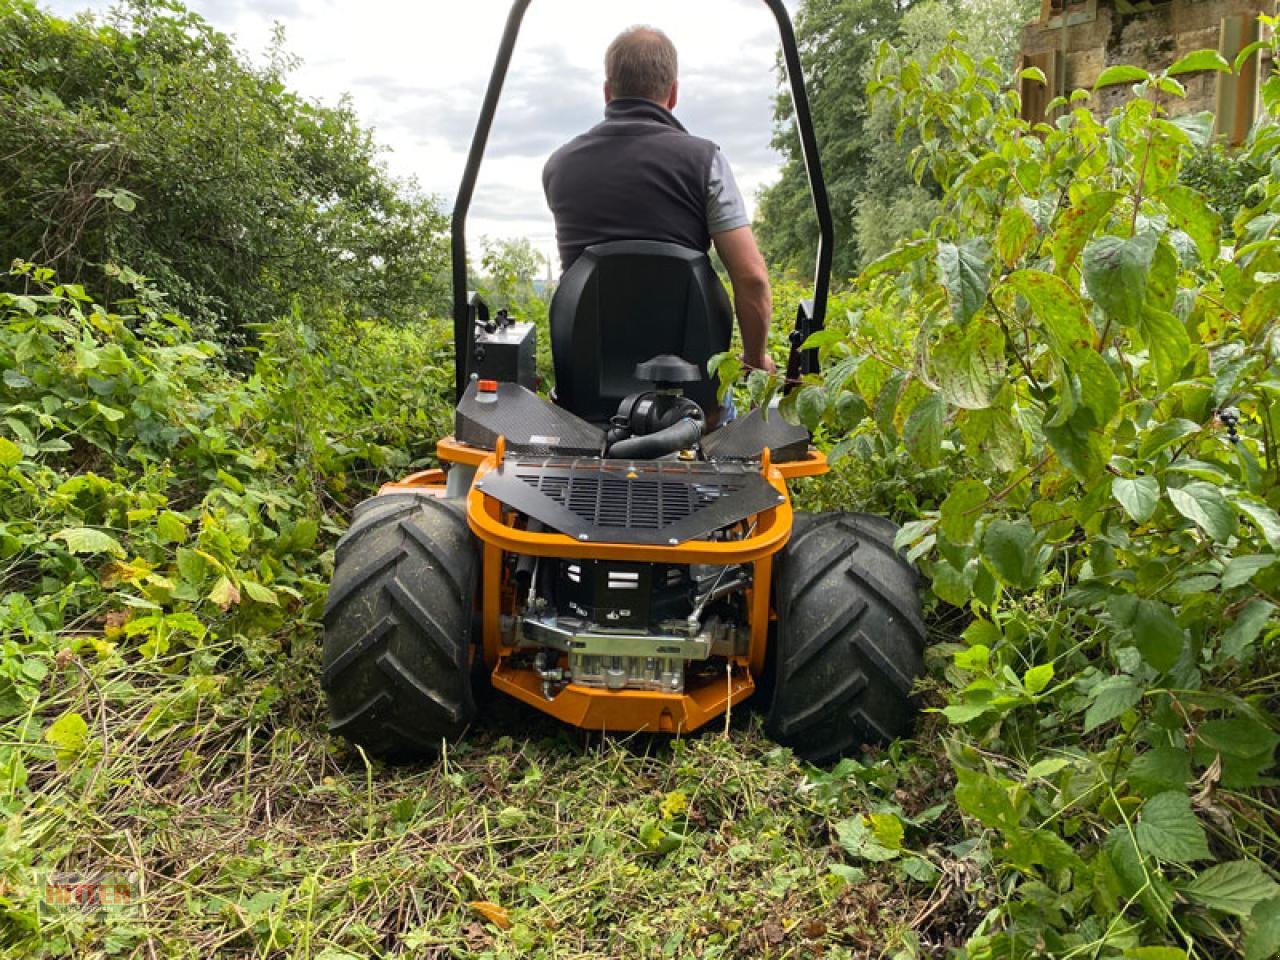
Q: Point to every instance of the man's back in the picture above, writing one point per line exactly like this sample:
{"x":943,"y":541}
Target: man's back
{"x":638,"y":175}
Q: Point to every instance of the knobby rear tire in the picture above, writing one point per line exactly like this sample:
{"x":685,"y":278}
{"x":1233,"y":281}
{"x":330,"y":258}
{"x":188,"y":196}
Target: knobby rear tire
{"x":850,"y":638}
{"x":398,"y":626}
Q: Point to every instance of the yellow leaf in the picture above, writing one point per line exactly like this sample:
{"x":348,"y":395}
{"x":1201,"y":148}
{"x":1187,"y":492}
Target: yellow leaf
{"x":495,"y":914}
{"x":674,"y":804}
{"x":225,"y":593}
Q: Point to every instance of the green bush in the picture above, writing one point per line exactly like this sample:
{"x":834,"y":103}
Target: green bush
{"x":1080,"y":383}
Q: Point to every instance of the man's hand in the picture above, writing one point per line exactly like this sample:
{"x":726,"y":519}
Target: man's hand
{"x":752,"y":297}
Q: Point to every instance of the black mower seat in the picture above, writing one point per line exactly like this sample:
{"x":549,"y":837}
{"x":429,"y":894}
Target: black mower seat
{"x":625,"y":302}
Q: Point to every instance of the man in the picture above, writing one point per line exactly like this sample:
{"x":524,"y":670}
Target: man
{"x":639,"y":175}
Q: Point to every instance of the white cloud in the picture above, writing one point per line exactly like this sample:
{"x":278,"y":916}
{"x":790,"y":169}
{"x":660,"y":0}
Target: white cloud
{"x":416,"y":73}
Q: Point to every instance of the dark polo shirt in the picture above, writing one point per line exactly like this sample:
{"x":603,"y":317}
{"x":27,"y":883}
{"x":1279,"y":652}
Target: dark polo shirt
{"x":637,"y":175}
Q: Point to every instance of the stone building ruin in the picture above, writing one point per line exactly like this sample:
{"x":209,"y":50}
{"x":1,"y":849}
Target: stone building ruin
{"x":1075,"y":40}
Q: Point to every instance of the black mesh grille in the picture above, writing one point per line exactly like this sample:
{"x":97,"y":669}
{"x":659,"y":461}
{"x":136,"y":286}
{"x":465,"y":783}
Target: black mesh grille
{"x":631,"y":497}
{"x":630,"y":501}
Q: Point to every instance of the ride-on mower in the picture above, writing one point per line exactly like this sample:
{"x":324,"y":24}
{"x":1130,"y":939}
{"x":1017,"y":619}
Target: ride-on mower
{"x":603,"y":556}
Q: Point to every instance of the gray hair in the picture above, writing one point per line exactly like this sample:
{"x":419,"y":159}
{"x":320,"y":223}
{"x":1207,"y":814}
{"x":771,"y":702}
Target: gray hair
{"x":641,"y":62}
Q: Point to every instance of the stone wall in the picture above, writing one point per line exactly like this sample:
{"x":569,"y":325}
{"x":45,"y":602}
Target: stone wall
{"x":1073,"y":42}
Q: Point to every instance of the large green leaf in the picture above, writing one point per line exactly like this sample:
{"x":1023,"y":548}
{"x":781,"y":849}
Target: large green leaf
{"x":1262,"y":942}
{"x":1247,"y":627}
{"x":10,"y":454}
{"x":1011,"y":549}
{"x":1138,"y":496}
{"x":1099,"y":388}
{"x":1200,"y":60}
{"x":1109,"y":699}
{"x":1235,"y":887}
{"x":1160,"y":769}
{"x":1168,"y":829}
{"x":1057,"y":308}
{"x":965,"y":272}
{"x":961,"y":509}
{"x":1155,"y":631}
{"x":1115,"y":272}
{"x":1078,"y":225}
{"x":1168,"y":343}
{"x":1263,"y":307}
{"x":89,"y":540}
{"x":1014,"y":234}
{"x":1078,"y":444}
{"x":969,"y":365}
{"x":1203,"y":504}
{"x":1267,"y":520}
{"x":922,"y":433}
{"x":1190,"y":211}
{"x":1122,"y":73}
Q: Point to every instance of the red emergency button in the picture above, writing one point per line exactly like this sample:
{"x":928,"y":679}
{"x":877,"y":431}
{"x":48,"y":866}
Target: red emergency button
{"x":487,"y":386}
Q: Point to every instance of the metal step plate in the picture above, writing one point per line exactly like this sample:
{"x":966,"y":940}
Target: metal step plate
{"x":630,"y":501}
{"x":531,"y":424}
{"x":746,"y":437}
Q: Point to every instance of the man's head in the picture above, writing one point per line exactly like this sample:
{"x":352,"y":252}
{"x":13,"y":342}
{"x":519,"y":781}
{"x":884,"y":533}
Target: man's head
{"x":641,"y":62}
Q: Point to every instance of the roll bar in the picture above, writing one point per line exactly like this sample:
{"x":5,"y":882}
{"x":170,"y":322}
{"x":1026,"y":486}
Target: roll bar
{"x":809,"y":321}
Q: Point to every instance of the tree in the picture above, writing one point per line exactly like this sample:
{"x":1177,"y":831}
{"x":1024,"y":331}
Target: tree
{"x":836,"y":39}
{"x":874,"y":203}
{"x":146,"y":141}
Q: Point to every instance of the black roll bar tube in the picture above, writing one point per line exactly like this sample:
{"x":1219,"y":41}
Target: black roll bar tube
{"x":463,"y":329}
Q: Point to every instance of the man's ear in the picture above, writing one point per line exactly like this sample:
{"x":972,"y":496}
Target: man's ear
{"x":673,"y":96}
{"x":608,"y":94}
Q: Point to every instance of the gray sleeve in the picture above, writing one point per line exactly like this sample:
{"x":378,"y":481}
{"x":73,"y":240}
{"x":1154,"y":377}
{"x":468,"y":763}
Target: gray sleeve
{"x":726,"y":210}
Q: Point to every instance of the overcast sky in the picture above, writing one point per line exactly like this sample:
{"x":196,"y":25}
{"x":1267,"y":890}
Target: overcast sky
{"x":416,"y":72}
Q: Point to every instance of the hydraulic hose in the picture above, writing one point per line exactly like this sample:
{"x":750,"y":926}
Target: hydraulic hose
{"x":679,"y":436}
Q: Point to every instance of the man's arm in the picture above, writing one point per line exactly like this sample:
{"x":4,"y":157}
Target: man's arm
{"x":752,"y":296}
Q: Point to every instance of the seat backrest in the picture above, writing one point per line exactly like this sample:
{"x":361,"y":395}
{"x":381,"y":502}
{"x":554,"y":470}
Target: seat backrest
{"x":624,"y":302}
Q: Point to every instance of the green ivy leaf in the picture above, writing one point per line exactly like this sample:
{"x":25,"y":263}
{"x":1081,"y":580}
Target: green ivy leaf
{"x":89,"y":540}
{"x":1155,"y":631}
{"x":1203,"y":504}
{"x":1236,"y":887}
{"x":1169,"y":830}
{"x":965,"y":272}
{"x":1138,"y":495}
{"x":1240,"y":570}
{"x":259,"y":593}
{"x":970,"y":365}
{"x":1267,"y":520}
{"x":1011,"y":549}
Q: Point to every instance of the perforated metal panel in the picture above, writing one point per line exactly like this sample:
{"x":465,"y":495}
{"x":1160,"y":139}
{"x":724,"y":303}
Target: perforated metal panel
{"x":626,"y":501}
